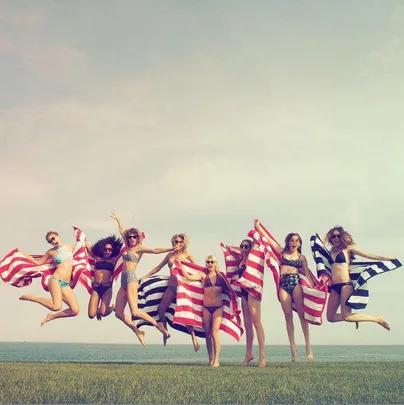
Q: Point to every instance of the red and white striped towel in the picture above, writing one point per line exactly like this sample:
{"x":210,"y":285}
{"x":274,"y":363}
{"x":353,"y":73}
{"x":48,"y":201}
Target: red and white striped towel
{"x":314,"y":298}
{"x":252,"y":280}
{"x":189,"y":302}
{"x":17,"y":270}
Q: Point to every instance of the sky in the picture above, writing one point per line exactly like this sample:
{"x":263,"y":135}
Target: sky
{"x":197,"y":117}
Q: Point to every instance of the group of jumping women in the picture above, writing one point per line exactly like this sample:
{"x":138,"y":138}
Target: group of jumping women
{"x":214,"y":283}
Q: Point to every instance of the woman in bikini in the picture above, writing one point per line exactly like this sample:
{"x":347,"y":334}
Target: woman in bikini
{"x":105,"y":253}
{"x":59,"y":282}
{"x":290,"y":290}
{"x":127,"y":293}
{"x":251,"y":308}
{"x":342,"y":252}
{"x":180,"y":242}
{"x":214,"y":286}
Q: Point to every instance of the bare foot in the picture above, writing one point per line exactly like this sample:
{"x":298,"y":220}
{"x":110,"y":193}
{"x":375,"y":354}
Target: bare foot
{"x":165,"y":338}
{"x":309,"y":354}
{"x":356,"y":325}
{"x":196,"y":344}
{"x":293,"y":349}
{"x":25,"y":297}
{"x":215,"y":364}
{"x":262,"y":363}
{"x":141,"y":336}
{"x":247,"y":360}
{"x":383,"y":323}
{"x":47,"y":319}
{"x":162,"y":329}
{"x":211,"y":362}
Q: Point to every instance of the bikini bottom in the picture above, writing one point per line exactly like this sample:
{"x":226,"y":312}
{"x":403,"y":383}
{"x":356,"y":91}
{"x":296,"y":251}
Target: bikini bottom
{"x":338,"y":287}
{"x":213,"y":309}
{"x":101,"y":289}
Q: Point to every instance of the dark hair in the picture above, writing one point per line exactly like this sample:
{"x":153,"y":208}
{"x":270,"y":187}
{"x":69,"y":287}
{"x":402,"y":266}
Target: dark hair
{"x":289,"y":236}
{"x":249,"y":241}
{"x":50,"y":233}
{"x":99,"y":246}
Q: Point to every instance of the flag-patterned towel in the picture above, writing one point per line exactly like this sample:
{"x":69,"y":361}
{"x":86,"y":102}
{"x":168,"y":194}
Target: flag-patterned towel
{"x":17,"y":270}
{"x":360,"y":271}
{"x":189,"y":306}
{"x":314,"y":298}
{"x":252,"y":280}
{"x":150,"y":292}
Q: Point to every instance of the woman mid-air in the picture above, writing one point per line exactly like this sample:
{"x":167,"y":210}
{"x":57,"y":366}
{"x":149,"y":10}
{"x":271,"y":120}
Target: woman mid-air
{"x":127,"y":293}
{"x":180,"y":242}
{"x":342,"y":252}
{"x":59,"y":283}
{"x":105,"y":254}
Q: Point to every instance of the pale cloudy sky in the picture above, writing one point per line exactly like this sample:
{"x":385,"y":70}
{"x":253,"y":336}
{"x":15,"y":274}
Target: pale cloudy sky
{"x":198,"y":116}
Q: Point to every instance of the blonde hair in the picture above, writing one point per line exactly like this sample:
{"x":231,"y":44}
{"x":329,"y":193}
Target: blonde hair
{"x":183,"y":237}
{"x":133,"y":231}
{"x":346,"y":237}
{"x":215,"y":263}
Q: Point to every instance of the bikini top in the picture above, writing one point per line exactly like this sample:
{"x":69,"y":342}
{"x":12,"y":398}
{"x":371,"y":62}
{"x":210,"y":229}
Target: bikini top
{"x":104,"y":265}
{"x":292,"y":263}
{"x":219,"y":282}
{"x":63,"y":255}
{"x":241,"y":270}
{"x":170,"y":264}
{"x":340,"y":258}
{"x":130,"y":257}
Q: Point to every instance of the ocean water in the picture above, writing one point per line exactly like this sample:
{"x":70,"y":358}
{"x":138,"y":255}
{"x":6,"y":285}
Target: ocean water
{"x":177,"y":354}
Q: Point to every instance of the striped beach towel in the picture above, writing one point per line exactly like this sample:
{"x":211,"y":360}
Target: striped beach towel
{"x":189,"y":306}
{"x":314,"y":298}
{"x":252,"y":279}
{"x":150,"y":292}
{"x":17,"y":270}
{"x":360,"y":271}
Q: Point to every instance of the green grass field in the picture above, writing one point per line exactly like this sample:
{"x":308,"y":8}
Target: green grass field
{"x":279,"y":383}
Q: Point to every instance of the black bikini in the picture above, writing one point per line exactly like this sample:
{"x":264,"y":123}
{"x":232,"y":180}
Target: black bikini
{"x":241,"y":269}
{"x":102,"y":288}
{"x":339,"y":258}
{"x":219,"y":283}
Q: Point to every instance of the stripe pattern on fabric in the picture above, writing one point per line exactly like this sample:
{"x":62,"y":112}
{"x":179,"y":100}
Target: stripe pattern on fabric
{"x":190,"y":302}
{"x":360,"y":272}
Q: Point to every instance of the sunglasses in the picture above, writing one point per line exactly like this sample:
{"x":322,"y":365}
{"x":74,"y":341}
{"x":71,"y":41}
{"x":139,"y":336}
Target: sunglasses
{"x":209,"y":261}
{"x":244,"y":246}
{"x":133,"y":236}
{"x":336,"y":236}
{"x":52,"y":239}
{"x":178,"y":242}
{"x":107,"y":250}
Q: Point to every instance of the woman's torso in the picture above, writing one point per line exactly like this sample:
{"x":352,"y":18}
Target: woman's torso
{"x":213,"y":287}
{"x":340,"y":260}
{"x":103,"y":270}
{"x":291,"y":264}
{"x":63,"y":258}
{"x":130,"y":259}
{"x":184,"y":257}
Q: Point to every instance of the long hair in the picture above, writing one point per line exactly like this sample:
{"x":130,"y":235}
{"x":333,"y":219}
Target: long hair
{"x":289,"y":236}
{"x":115,"y":242}
{"x":346,"y":237}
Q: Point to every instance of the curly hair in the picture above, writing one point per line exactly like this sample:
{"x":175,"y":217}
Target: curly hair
{"x":289,"y":236}
{"x":346,"y":237}
{"x":115,"y":242}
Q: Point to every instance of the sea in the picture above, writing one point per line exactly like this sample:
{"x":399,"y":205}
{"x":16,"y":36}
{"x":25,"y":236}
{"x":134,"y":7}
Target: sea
{"x":183,"y":354}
